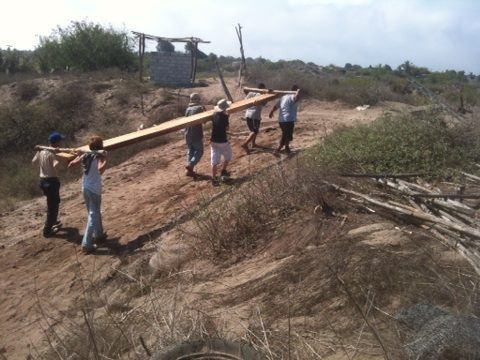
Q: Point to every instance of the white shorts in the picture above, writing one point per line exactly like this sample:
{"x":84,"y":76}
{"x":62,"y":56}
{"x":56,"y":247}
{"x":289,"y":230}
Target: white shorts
{"x":218,"y":150}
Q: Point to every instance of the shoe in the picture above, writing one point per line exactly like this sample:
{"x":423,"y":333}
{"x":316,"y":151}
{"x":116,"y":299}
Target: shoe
{"x":101,"y":238}
{"x":56,"y":227}
{"x":215,"y":182}
{"x":190,"y":171}
{"x":287,"y":150}
{"x":225,"y":173}
{"x":88,"y":251}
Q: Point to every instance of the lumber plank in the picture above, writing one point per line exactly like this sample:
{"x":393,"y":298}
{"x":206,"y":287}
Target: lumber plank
{"x":172,"y":125}
{"x":268,"y":91}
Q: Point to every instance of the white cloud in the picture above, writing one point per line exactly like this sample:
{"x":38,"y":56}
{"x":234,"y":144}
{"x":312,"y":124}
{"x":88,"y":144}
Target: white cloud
{"x":438,"y":34}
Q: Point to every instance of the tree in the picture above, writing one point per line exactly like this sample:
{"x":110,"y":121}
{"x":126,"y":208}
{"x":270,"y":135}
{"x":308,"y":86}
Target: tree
{"x":200,"y":54}
{"x":85,"y":46}
{"x":165,"y":46}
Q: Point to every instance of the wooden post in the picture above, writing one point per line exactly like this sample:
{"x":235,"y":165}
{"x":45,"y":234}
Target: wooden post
{"x":243,"y":65}
{"x":191,"y":59}
{"x":195,"y":59}
{"x":141,"y":53}
{"x":140,"y":58}
{"x":224,"y":86}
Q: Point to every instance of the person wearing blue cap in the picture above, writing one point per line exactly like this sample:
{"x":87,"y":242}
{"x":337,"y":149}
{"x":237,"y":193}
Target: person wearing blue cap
{"x":49,"y":182}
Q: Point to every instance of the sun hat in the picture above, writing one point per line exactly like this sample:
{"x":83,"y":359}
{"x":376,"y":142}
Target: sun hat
{"x":222,"y":105}
{"x":194,"y":99}
{"x":55,"y":137}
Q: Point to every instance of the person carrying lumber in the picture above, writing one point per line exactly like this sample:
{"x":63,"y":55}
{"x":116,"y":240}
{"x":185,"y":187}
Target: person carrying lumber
{"x":219,"y":145}
{"x":287,"y":115}
{"x":253,"y":116}
{"x":93,"y":163}
{"x":47,"y":161}
{"x":194,"y":135}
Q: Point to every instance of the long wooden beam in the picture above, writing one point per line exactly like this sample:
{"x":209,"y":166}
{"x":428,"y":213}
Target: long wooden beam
{"x":184,"y":39}
{"x":268,"y":91}
{"x":172,"y":125}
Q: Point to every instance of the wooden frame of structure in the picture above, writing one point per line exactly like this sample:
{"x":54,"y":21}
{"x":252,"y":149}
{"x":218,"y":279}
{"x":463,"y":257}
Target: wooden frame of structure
{"x":194,"y":41}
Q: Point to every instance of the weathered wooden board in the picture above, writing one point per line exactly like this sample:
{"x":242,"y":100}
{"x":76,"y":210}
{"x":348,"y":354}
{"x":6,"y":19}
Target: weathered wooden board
{"x":268,"y":91}
{"x":173,"y":125}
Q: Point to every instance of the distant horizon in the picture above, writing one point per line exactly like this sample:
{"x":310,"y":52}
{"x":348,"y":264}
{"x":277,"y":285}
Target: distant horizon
{"x":394,"y":67}
{"x":440,"y":35}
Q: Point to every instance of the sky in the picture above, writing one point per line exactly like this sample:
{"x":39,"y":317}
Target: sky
{"x":438,"y":34}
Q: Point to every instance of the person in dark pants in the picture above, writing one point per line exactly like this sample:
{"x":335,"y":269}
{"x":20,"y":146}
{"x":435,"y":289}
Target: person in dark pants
{"x":49,"y":182}
{"x":219,"y":145}
{"x":253,"y":115}
{"x":194,"y":136}
{"x":287,"y":116}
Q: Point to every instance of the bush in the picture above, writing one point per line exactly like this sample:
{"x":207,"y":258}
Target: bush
{"x":235,"y":223}
{"x":27,"y":90}
{"x":19,"y":179}
{"x":85,"y":46}
{"x":402,"y":144}
{"x":368,"y":87}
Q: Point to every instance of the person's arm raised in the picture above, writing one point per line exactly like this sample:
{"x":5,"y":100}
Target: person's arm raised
{"x":102,"y":164}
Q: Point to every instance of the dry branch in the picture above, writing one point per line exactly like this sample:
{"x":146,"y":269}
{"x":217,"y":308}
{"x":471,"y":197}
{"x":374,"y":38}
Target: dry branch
{"x":464,"y":229}
{"x":380,"y":176}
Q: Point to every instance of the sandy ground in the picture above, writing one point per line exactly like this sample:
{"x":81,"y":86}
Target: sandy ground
{"x":142,"y":198}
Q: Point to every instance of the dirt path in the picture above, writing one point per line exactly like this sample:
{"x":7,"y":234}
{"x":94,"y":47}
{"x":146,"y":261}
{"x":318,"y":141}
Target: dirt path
{"x":141,"y":197}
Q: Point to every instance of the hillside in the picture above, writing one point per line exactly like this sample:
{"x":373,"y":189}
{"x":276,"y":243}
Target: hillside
{"x":154,"y":279}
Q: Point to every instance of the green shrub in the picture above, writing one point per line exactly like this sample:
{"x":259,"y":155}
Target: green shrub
{"x":85,"y":46}
{"x":19,"y":179}
{"x":401,"y":144}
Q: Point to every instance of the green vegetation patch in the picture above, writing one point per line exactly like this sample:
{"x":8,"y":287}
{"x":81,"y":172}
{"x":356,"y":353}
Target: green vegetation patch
{"x":405,"y":143}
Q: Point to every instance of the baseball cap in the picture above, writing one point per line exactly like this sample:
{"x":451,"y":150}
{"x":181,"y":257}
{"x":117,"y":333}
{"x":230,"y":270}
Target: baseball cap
{"x":55,"y":137}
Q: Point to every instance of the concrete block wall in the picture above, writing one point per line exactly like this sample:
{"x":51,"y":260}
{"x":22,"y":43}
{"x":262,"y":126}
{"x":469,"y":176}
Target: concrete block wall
{"x":170,"y":68}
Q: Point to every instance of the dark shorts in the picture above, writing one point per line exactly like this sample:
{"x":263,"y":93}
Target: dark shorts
{"x":287,"y":130}
{"x":253,"y":125}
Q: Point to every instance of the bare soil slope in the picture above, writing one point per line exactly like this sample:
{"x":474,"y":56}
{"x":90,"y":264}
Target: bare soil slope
{"x":145,"y":197}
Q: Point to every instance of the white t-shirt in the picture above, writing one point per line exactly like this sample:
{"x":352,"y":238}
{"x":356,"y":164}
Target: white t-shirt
{"x":47,"y":162}
{"x":287,"y":108}
{"x":92,"y":181}
{"x":253,"y":112}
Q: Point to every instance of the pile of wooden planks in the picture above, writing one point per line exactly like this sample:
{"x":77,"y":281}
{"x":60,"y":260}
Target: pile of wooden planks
{"x":454,"y":222}
{"x":173,"y":125}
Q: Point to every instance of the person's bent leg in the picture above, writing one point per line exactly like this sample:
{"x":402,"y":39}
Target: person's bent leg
{"x":283,"y":138}
{"x":215,"y":158}
{"x":250,"y":138}
{"x":87,"y":242}
{"x":95,"y":209}
{"x":56,"y":200}
{"x":289,"y":135}
{"x":256,"y":129}
{"x":227,"y":157}
{"x":196,"y":154}
{"x":51,"y":191}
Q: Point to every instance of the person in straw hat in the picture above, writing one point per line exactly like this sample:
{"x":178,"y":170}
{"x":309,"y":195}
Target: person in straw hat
{"x":194,"y":135}
{"x":219,"y":145}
